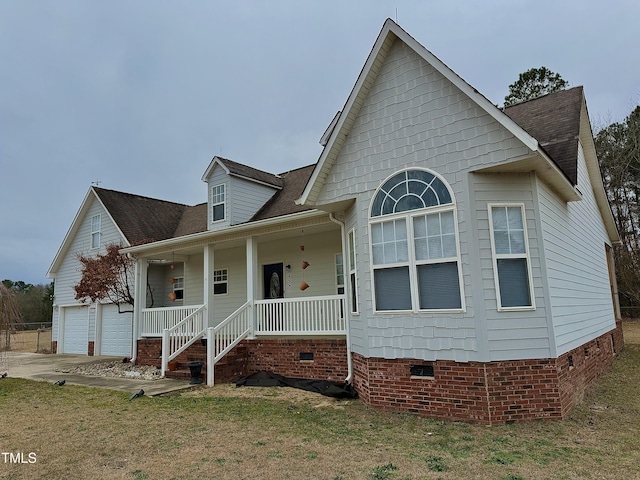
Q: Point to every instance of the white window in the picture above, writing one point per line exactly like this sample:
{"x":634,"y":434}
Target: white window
{"x":340,"y":273}
{"x":95,"y":231}
{"x":178,"y":287}
{"x":221,"y":281}
{"x":353,"y":282}
{"x":218,"y":197}
{"x":414,"y":244}
{"x":511,"y":264}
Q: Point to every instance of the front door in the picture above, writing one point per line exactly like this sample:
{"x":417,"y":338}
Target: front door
{"x":273,"y":280}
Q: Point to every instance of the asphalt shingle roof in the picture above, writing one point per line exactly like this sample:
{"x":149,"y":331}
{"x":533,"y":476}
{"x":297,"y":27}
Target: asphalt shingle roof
{"x":554,"y":120}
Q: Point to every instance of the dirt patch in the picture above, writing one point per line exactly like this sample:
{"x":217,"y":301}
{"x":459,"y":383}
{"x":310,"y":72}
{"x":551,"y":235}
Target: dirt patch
{"x":284,"y":394}
{"x":115,"y":369}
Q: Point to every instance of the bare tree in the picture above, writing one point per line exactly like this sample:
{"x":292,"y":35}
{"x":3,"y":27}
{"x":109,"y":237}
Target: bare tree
{"x":9,"y":316}
{"x":107,"y":276}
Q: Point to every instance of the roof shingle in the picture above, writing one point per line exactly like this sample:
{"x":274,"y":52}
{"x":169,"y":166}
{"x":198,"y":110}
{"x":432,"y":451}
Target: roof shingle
{"x":554,"y":121}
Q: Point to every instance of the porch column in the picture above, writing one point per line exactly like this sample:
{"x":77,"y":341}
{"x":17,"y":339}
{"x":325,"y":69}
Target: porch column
{"x":140,"y":302}
{"x":252,"y":280}
{"x":208,"y":283}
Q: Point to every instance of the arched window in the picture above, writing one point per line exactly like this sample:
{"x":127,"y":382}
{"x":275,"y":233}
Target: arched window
{"x":414,"y":244}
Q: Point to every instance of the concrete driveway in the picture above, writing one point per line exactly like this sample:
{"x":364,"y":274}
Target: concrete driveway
{"x":48,"y":367}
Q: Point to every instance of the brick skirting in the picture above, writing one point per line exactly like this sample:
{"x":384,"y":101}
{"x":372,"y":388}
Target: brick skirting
{"x":282,"y":356}
{"x":488,"y":393}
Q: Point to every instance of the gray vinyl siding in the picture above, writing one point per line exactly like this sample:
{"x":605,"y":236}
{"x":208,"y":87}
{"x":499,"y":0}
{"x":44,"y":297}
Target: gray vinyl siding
{"x":235,"y":261}
{"x":413,"y":116}
{"x":69,"y":274}
{"x":246,"y":198}
{"x":510,"y":335}
{"x":243,"y":198}
{"x":574,"y":245}
{"x":194,"y":280}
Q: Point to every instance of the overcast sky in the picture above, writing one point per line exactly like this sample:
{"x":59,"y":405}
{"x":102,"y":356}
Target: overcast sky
{"x":141,"y":95}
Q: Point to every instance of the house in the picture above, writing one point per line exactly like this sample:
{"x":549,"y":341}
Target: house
{"x":446,"y":257}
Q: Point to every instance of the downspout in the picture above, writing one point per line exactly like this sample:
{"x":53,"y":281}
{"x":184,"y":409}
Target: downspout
{"x":347,"y":310}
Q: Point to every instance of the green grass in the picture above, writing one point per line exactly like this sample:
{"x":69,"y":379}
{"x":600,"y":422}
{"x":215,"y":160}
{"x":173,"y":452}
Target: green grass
{"x":80,"y":432}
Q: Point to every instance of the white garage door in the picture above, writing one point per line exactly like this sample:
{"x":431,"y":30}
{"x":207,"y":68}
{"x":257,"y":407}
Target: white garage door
{"x":116,"y":332}
{"x":76,"y":330}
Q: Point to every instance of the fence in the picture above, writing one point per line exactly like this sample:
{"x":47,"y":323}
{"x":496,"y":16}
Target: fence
{"x":30,"y":337}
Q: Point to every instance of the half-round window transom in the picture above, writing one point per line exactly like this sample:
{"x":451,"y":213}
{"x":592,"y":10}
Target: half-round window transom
{"x":410,"y":190}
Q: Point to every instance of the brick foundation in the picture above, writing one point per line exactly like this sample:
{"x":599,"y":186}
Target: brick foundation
{"x":91,"y":349}
{"x":488,"y":393}
{"x":54,"y":346}
{"x":251,"y":356}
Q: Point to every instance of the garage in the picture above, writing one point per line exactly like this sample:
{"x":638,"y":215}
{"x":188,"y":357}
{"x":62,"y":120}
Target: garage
{"x":116,"y":332}
{"x":76,"y":330}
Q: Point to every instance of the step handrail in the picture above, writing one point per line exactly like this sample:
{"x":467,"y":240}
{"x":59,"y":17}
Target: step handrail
{"x":183,"y":334}
{"x":227,"y":334}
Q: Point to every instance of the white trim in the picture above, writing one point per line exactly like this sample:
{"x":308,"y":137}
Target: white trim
{"x":495,"y":256}
{"x":411,"y":264}
{"x":97,"y":232}
{"x":234,"y":229}
{"x":223,"y":202}
{"x":215,"y":282}
{"x":355,"y":307}
{"x":389,"y":32}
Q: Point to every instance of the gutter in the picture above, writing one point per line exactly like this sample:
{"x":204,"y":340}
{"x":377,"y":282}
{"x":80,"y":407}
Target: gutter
{"x":347,"y":310}
{"x":211,"y":234}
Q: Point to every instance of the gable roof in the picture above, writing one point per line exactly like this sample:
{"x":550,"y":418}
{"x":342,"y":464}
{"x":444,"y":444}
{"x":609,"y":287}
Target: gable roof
{"x":554,"y":120}
{"x":141,"y":219}
{"x":243,"y":171}
{"x":388,"y":35}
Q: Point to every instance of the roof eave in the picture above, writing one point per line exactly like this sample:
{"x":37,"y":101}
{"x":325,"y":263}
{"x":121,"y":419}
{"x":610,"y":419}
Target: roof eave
{"x":390,"y":31}
{"x":210,"y":235}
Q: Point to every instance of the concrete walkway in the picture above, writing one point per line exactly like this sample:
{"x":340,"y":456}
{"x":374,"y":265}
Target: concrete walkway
{"x":49,"y":368}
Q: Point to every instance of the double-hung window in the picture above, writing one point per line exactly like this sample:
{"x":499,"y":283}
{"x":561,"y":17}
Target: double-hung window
{"x":511,"y":265}
{"x":218,"y":196}
{"x":221,"y":281}
{"x":95,"y":231}
{"x":414,"y":244}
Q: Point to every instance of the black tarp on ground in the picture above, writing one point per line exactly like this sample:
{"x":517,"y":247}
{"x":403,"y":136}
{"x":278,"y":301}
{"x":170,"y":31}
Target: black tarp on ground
{"x":324,"y":387}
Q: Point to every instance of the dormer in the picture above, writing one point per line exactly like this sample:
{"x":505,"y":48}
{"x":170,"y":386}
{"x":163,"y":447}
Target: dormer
{"x":236,"y":192}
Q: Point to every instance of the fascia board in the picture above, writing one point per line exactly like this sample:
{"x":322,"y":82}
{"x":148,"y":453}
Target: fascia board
{"x":73,"y":230}
{"x":244,"y":227}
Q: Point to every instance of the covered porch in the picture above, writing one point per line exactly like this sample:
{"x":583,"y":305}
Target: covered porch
{"x":286,"y":281}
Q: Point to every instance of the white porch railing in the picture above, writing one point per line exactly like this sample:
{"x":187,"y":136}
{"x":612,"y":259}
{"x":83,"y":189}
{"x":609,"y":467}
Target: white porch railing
{"x":156,"y":320}
{"x":301,"y":316}
{"x":178,"y":338}
{"x":226,"y":335}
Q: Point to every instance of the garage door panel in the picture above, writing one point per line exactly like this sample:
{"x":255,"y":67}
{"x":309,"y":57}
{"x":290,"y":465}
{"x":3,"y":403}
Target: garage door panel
{"x":116,"y":332}
{"x":76,"y":330}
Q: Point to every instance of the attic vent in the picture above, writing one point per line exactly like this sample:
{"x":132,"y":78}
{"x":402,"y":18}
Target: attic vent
{"x":421,"y":371}
{"x":306,"y":356}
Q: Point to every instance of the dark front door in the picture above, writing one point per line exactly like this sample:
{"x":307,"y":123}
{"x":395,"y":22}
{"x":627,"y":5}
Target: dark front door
{"x":273,"y":280}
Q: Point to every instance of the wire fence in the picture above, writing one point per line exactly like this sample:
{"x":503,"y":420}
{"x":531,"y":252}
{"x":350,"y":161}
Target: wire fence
{"x":28,"y":337}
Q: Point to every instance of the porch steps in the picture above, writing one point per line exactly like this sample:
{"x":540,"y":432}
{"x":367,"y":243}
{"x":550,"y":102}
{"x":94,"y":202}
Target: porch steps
{"x":228,"y":368}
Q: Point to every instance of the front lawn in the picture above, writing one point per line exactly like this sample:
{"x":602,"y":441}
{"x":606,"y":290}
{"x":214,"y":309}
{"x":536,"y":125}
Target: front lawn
{"x":246,"y":433}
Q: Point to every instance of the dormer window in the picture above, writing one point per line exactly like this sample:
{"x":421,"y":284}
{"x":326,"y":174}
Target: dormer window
{"x":218,"y":196}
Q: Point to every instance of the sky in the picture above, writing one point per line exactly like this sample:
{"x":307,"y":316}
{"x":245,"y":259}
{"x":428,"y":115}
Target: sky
{"x":140,"y":96}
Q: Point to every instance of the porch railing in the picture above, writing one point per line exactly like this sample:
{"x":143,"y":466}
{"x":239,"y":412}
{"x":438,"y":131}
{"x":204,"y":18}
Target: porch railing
{"x":178,"y":338}
{"x":226,"y":335}
{"x":301,"y":316}
{"x":156,"y":320}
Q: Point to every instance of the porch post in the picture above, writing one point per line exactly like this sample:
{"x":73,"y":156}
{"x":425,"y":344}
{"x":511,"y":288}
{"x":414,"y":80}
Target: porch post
{"x":252,"y":281}
{"x":208,"y":283}
{"x":140,"y":302}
